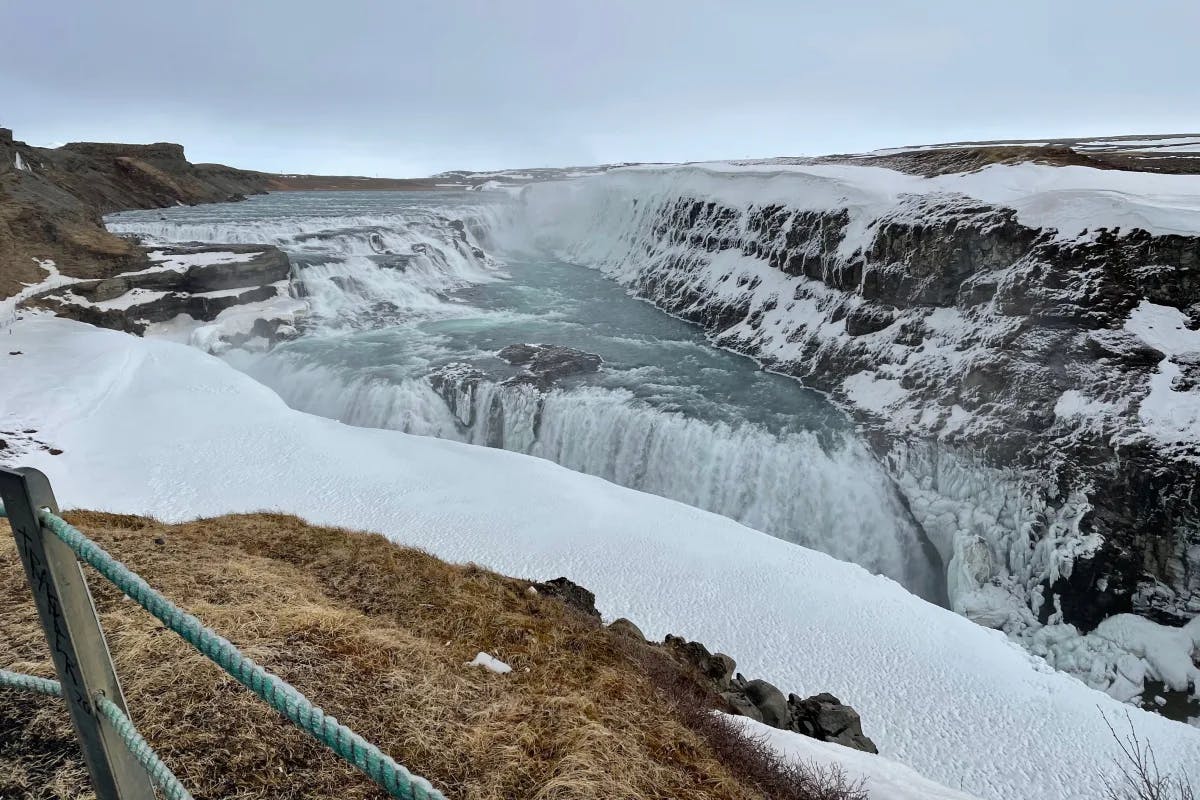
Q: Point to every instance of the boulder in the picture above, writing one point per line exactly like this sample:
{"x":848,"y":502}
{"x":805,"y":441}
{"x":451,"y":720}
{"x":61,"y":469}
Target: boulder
{"x":716,"y":667}
{"x":825,"y":717}
{"x":627,"y":628}
{"x":770,"y":702}
{"x":545,"y":363}
{"x":739,"y":704}
{"x":570,"y":593}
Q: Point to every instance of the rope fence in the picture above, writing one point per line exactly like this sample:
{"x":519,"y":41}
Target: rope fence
{"x":159,"y":772}
{"x":276,"y":692}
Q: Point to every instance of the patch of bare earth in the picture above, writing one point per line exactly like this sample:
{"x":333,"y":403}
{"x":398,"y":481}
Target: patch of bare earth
{"x":379,"y":636}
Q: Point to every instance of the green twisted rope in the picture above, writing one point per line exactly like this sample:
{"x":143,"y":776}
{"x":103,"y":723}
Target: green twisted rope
{"x":276,"y":692}
{"x":30,"y":683}
{"x":159,"y":772}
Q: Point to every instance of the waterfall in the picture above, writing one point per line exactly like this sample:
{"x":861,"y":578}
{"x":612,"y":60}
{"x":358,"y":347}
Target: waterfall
{"x":830,"y":497}
{"x":373,"y":280}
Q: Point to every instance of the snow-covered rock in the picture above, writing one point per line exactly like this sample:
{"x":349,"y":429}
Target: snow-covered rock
{"x":212,"y":297}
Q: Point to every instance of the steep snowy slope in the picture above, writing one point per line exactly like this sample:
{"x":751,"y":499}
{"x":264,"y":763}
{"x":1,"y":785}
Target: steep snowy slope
{"x":158,"y":428}
{"x":991,"y":331}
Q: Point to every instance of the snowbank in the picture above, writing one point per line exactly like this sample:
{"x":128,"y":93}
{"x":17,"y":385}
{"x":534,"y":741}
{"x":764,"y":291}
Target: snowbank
{"x":1070,"y":199}
{"x":883,"y":778}
{"x":53,"y":280}
{"x":157,"y":428}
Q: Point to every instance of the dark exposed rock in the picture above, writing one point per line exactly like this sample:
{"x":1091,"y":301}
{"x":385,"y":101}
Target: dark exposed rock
{"x":262,"y":264}
{"x":626,"y":628}
{"x":136,"y":317}
{"x":716,"y":667}
{"x":546,"y":363}
{"x":201,"y":291}
{"x":741,"y":705}
{"x":867,"y":319}
{"x":52,"y":206}
{"x":822,"y":716}
{"x":825,"y":717}
{"x":1188,"y":378}
{"x":570,"y":593}
{"x":769,"y":701}
{"x":540,"y":366}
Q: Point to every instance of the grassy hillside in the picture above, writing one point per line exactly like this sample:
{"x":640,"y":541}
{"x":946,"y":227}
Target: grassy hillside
{"x":379,"y":635}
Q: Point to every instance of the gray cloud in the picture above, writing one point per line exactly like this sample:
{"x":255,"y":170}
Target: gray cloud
{"x":407,"y":88}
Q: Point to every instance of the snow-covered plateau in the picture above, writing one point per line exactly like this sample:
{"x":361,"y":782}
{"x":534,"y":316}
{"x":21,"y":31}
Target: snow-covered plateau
{"x":155,"y":427}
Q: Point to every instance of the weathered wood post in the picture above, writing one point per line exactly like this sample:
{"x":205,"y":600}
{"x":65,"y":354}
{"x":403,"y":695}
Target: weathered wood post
{"x":73,"y":632}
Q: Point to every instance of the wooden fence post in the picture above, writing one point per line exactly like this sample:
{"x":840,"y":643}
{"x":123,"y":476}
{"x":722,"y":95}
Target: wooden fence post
{"x":72,"y":629}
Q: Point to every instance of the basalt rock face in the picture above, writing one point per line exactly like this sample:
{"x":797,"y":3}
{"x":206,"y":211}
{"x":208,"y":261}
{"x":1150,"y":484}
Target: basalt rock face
{"x":995,"y":367}
{"x":258,"y":265}
{"x":159,"y":307}
{"x":52,"y":202}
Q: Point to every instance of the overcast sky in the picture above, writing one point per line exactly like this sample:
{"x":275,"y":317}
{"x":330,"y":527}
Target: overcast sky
{"x":409,"y":88}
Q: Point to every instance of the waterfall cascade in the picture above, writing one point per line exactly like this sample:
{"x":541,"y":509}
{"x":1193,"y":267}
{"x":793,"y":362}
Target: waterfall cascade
{"x":398,"y":293}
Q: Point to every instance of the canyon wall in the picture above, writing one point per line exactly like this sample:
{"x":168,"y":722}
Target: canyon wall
{"x":52,"y":202}
{"x":1031,"y":384}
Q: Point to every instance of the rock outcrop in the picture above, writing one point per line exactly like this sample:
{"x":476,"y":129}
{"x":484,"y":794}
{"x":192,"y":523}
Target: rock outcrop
{"x":52,"y":202}
{"x":821,"y":716}
{"x":198,"y":282}
{"x":543,"y":364}
{"x":570,"y":593}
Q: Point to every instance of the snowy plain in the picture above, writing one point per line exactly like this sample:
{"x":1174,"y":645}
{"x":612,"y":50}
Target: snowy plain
{"x":1068,"y":199}
{"x":155,"y":427}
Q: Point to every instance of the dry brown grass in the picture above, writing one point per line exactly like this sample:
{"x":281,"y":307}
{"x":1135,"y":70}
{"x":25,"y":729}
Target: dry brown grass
{"x":378,"y":635}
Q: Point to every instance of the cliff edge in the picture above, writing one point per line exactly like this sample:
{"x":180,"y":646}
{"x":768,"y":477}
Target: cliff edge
{"x":52,"y":202}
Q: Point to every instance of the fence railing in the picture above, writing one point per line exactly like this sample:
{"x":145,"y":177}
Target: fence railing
{"x":122,"y":765}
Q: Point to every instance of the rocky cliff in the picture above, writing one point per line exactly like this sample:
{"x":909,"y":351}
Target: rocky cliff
{"x":1031,"y":384}
{"x":52,"y":201}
